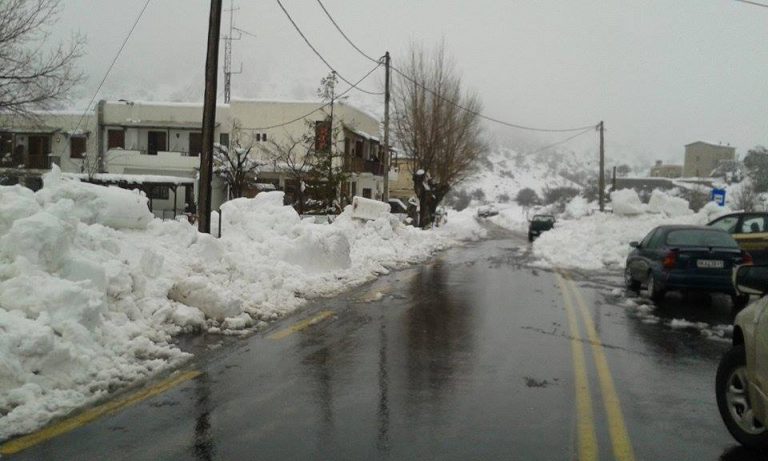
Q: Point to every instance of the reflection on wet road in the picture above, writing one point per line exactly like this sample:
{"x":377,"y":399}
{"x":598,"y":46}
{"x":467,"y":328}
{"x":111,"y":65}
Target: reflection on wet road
{"x":467,"y":357}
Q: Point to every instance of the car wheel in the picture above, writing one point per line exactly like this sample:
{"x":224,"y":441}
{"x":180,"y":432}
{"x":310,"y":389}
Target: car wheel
{"x":731,"y":389}
{"x":629,"y":282}
{"x":656,"y":293}
{"x":739,"y":302}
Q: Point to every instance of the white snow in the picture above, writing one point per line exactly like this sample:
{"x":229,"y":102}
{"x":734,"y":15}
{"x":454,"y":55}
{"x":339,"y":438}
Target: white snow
{"x":601,"y":240}
{"x":93,"y":288}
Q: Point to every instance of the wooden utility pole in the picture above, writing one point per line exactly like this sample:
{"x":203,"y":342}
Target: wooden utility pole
{"x":601,"y":180}
{"x":387,"y":158}
{"x":209,"y":118}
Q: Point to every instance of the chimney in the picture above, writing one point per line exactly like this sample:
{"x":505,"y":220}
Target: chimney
{"x":659,"y":162}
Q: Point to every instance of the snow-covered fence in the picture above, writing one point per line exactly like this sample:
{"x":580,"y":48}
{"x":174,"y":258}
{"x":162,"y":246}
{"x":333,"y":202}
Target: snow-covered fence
{"x":367,"y":209}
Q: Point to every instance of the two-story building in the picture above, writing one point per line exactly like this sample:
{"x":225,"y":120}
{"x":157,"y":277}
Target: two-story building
{"x":702,"y":158}
{"x":162,"y":139}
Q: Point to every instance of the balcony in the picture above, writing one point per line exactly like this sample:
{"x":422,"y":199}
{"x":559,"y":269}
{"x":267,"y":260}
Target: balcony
{"x":359,"y":165}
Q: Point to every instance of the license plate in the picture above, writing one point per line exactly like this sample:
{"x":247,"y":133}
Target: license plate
{"x":710,"y":264}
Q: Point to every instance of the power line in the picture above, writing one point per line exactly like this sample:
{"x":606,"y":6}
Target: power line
{"x":306,"y":40}
{"x":562,"y":141}
{"x":317,"y":109}
{"x":753,"y":3}
{"x":245,"y":32}
{"x":345,"y":35}
{"x":437,"y":95}
{"x":485,"y":117}
{"x":114,"y":60}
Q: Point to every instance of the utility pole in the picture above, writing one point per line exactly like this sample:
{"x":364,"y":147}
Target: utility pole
{"x":601,"y":181}
{"x":209,"y":117}
{"x":387,"y":158}
{"x":228,"y":54}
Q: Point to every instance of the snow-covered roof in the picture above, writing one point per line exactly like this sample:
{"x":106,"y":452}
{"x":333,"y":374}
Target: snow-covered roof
{"x":718,"y":144}
{"x":361,"y":133}
{"x":132,"y":178}
{"x":162,"y":103}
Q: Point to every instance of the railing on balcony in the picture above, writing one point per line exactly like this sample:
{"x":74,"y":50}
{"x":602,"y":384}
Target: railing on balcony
{"x":359,"y":165}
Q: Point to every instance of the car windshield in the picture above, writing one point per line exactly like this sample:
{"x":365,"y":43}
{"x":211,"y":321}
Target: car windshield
{"x":703,"y":238}
{"x":543,"y":219}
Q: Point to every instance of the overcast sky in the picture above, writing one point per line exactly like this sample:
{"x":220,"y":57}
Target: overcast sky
{"x":660,"y":73}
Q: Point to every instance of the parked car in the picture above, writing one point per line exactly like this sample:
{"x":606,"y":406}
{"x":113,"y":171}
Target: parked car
{"x":676,"y":257}
{"x":750,"y":230}
{"x":741,"y":385}
{"x":486,"y":211}
{"x":540,"y":223}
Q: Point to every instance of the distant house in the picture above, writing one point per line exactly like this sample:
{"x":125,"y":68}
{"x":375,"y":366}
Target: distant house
{"x":401,"y":176}
{"x":661,"y":170}
{"x":702,"y":158}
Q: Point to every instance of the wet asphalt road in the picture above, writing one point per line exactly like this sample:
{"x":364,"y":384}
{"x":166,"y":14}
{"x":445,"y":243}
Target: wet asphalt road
{"x":466,"y":357}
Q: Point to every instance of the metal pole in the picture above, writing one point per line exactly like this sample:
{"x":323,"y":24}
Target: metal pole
{"x":386,"y":128}
{"x":209,"y":117}
{"x":601,"y":181}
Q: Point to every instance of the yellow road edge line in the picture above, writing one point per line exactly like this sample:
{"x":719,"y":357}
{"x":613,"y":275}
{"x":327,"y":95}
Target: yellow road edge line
{"x":585,"y":424}
{"x":622,"y":447}
{"x":54,"y":430}
{"x":301,"y":325}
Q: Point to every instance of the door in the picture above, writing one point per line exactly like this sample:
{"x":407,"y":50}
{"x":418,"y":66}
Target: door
{"x":759,"y":346}
{"x":156,"y":142}
{"x":752,"y":235}
{"x":638,"y":262}
{"x":39,"y":148}
{"x":195,"y":144}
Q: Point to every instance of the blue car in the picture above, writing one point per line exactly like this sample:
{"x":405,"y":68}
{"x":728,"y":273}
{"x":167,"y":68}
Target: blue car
{"x":695,"y":258}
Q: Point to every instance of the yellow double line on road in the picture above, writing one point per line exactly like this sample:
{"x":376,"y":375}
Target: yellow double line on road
{"x":585,"y":426}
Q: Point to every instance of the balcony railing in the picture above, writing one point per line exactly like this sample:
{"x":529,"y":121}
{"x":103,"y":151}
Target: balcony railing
{"x":359,"y":165}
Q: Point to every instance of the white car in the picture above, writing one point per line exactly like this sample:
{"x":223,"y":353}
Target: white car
{"x":742,"y":376}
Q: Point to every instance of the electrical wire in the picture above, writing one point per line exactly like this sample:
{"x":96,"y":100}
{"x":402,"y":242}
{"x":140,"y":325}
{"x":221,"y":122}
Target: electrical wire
{"x":114,"y":60}
{"x":485,"y":117}
{"x":317,"y":109}
{"x":753,"y":3}
{"x":561,"y":142}
{"x":306,"y":40}
{"x":345,"y":35}
{"x":437,"y":95}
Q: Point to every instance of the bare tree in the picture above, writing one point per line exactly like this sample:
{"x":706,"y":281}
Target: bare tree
{"x":236,"y":166}
{"x":443,"y":138}
{"x":746,"y":197}
{"x":32,"y":77}
{"x":296,"y":157}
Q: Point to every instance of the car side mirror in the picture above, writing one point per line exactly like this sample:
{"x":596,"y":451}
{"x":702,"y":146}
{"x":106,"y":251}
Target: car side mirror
{"x":634,"y":244}
{"x":751,"y":280}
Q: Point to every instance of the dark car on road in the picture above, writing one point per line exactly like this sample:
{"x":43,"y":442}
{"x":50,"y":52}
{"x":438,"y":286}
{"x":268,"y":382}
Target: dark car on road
{"x":685,"y":258}
{"x":750,"y":230}
{"x":540,"y":223}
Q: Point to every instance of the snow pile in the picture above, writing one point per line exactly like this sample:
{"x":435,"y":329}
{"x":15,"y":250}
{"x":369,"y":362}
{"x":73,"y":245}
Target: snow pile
{"x":578,"y":207}
{"x":602,"y":240}
{"x":668,"y":205}
{"x":463,"y":225}
{"x":626,"y":202}
{"x":92,"y":288}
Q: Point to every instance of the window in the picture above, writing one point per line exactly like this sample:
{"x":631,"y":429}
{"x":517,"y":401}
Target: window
{"x":76,"y":147}
{"x":224,"y":139}
{"x":6,"y":144}
{"x":753,"y":225}
{"x":115,"y":139}
{"x":359,"y":149}
{"x":156,"y":142}
{"x":727,"y":223}
{"x":195,"y":144}
{"x":263,"y":136}
{"x":158,"y":192}
{"x":647,"y":240}
{"x":366,"y":192}
{"x":322,"y":136}
{"x":258,"y":137}
{"x":700,"y":238}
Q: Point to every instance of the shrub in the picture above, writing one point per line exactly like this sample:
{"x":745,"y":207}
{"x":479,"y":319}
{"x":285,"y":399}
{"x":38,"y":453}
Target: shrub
{"x":527,"y":197}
